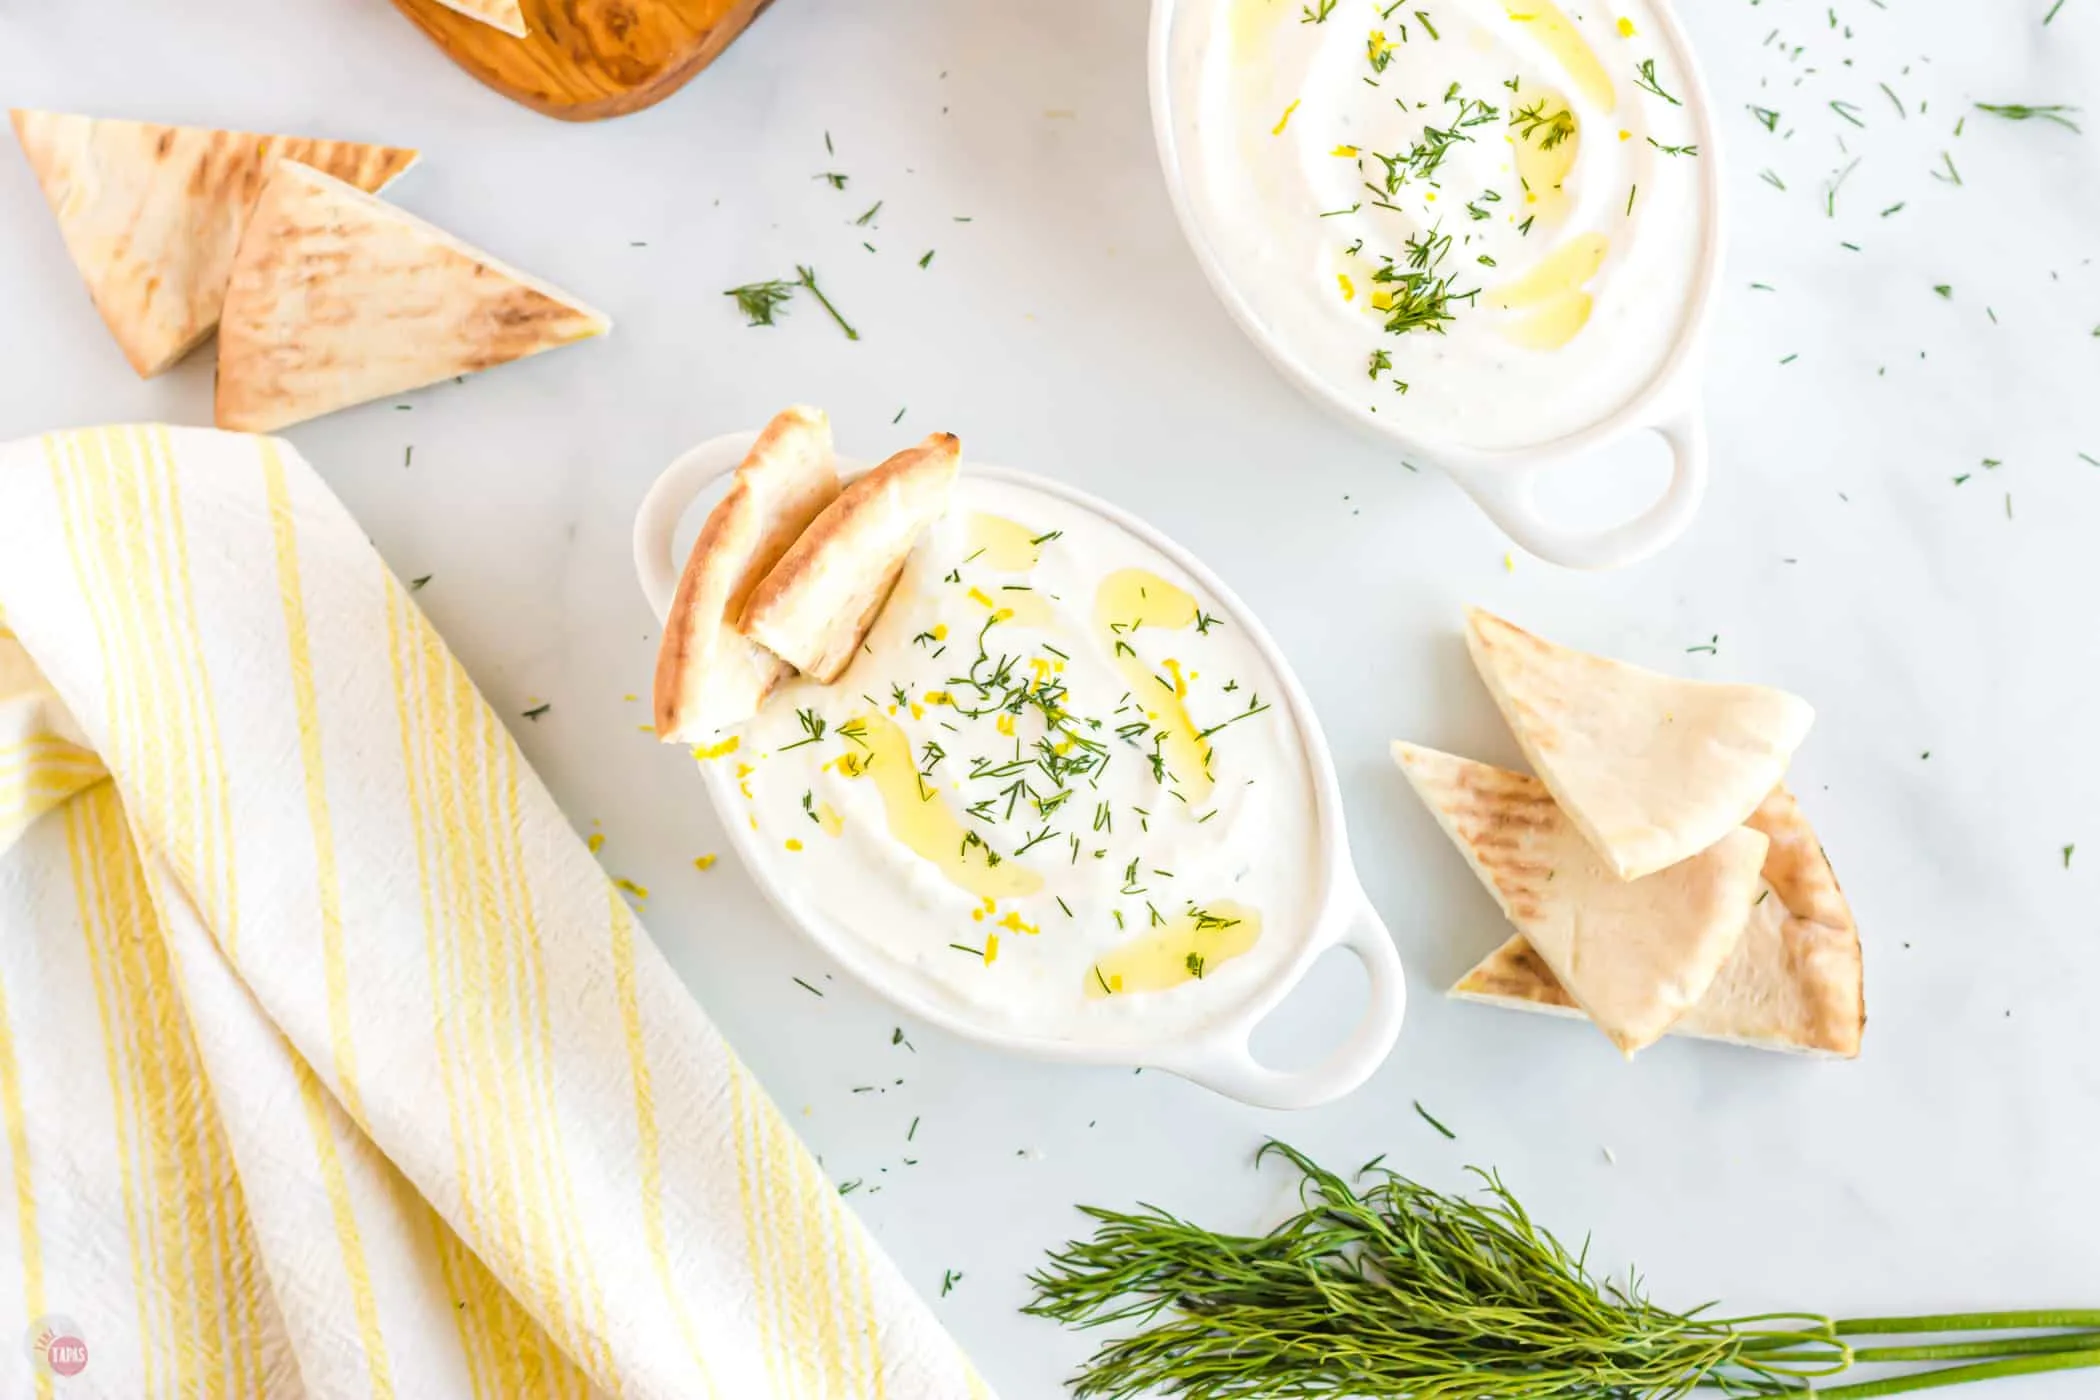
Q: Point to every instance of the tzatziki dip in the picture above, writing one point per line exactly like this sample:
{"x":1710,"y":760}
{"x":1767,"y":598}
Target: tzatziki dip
{"x":1055,"y":784}
{"x":1479,"y":221}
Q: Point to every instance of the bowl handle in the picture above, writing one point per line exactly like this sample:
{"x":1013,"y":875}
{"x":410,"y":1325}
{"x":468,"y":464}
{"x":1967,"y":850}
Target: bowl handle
{"x":1229,"y":1067}
{"x":1505,"y":493}
{"x":666,"y":504}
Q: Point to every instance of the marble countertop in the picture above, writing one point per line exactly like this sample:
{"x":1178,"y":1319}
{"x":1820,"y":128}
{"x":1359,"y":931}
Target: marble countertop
{"x":1900,"y":528}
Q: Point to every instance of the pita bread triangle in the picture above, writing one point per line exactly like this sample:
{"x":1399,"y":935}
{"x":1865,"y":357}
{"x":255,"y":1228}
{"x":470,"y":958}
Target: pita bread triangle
{"x":819,"y":601}
{"x":708,"y":674}
{"x":506,"y":15}
{"x":1794,"y":983}
{"x":1635,"y":955}
{"x":338,"y":298}
{"x":1652,"y":769}
{"x":152,"y":214}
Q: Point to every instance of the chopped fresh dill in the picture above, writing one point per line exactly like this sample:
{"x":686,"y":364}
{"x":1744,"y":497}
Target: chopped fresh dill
{"x":812,"y":729}
{"x":1647,"y":82}
{"x":761,"y":302}
{"x":1550,"y":128}
{"x":2021,"y":112}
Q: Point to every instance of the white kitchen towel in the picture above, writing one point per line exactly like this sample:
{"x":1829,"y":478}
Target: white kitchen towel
{"x":330,"y":1063}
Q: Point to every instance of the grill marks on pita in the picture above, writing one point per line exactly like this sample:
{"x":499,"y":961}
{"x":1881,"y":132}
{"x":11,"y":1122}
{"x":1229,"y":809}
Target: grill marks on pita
{"x":1661,"y":878}
{"x":338,"y":298}
{"x":152,"y":215}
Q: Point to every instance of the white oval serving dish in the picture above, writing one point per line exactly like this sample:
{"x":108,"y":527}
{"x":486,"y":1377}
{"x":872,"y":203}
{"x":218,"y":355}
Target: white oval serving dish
{"x":1503,"y":482}
{"x":1217,"y":1054}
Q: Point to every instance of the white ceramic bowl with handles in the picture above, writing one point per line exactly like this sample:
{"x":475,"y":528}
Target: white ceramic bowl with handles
{"x":1217,"y":1054}
{"x":1503,"y":482}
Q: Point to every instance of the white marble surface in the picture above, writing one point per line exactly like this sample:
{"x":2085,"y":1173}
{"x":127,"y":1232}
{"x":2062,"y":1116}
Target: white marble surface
{"x":1064,"y":329}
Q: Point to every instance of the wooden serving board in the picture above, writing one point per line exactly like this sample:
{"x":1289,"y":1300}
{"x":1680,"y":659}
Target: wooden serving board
{"x":585,"y":60}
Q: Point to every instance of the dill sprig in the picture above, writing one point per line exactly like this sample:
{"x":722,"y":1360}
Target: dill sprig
{"x":1646,"y":82}
{"x":2021,"y":112}
{"x":1557,"y":126}
{"x":1421,"y":294}
{"x":761,"y":301}
{"x":1391,"y":1288}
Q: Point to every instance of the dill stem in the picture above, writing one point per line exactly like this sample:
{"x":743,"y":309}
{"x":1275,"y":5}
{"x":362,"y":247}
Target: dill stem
{"x":1961,"y":1375}
{"x":1956,"y":1351}
{"x":809,"y":279}
{"x":1969,"y":1322}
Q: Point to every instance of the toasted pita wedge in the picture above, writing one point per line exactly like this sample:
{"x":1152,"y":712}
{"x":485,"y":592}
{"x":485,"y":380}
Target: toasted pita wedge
{"x":1636,"y":955}
{"x":1650,"y":768}
{"x":708,"y":674}
{"x":817,"y":604}
{"x":1793,"y":983}
{"x":506,"y":15}
{"x":338,"y":298}
{"x":152,"y":214}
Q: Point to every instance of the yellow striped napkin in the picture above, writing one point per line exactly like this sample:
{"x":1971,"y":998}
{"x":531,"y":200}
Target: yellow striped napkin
{"x":330,"y":1064}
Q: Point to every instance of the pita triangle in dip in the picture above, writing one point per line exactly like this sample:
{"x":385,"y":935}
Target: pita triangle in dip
{"x":708,"y":674}
{"x":152,"y":214}
{"x":818,"y":602}
{"x":338,"y":298}
{"x":1651,"y":769}
{"x":1793,"y":983}
{"x":506,"y":15}
{"x":1634,"y":954}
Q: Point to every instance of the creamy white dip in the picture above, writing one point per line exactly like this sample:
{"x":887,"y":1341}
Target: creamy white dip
{"x":1515,"y":180}
{"x":1055,"y":786}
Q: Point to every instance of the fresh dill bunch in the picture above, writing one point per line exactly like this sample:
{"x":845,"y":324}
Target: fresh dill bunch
{"x":761,"y":301}
{"x":1388,"y":1288}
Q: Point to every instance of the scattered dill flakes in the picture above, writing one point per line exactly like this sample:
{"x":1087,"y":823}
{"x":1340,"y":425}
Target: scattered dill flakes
{"x":865,"y":219}
{"x":1673,"y":150}
{"x":415,"y":585}
{"x":847,"y":1188}
{"x":537,"y":710}
{"x":1380,"y":360}
{"x":1710,"y":646}
{"x":2067,"y":854}
{"x":949,"y":1278}
{"x":1945,"y":290}
{"x":1430,"y":1119}
{"x":408,"y":455}
{"x":1319,"y":16}
{"x":2020,"y":112}
{"x":1766,"y":117}
{"x":837,"y":181}
{"x":1847,"y":110}
{"x":1953,"y":176}
{"x":927,"y":261}
{"x":1790,"y":359}
{"x":806,"y":987}
{"x":1771,"y":178}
